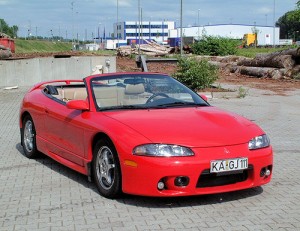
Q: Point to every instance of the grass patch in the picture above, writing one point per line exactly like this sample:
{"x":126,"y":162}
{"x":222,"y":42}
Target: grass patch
{"x":242,"y":92}
{"x":252,"y":51}
{"x":36,"y":46}
{"x":31,"y":46}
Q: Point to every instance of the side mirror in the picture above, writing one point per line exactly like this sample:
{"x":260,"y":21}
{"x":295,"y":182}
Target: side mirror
{"x":78,"y":105}
{"x":204,"y":97}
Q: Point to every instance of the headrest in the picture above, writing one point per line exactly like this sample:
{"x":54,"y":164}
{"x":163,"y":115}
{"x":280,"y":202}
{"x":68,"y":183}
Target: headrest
{"x":134,"y":89}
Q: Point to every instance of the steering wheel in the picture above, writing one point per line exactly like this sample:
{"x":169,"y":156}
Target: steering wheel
{"x":155,"y":95}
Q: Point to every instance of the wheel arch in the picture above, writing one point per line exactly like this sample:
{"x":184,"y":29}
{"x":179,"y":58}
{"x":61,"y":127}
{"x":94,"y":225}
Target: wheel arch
{"x":100,"y":136}
{"x":95,"y":139}
{"x":24,"y":114}
{"x":22,"y":117}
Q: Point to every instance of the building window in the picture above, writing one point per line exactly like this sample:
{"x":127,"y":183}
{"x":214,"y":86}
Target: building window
{"x":157,"y":34}
{"x":146,"y":26}
{"x":131,"y":26}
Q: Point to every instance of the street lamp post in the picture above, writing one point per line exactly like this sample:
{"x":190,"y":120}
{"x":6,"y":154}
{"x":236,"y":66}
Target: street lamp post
{"x":181,"y":41}
{"x":72,"y":7}
{"x":139,"y":25}
{"x":198,"y":24}
{"x":117,"y":23}
{"x":99,"y":29}
{"x":274,"y":23}
{"x":77,"y":27}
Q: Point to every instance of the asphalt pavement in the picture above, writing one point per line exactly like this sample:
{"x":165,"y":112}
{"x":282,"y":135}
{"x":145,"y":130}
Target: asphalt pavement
{"x":44,"y":195}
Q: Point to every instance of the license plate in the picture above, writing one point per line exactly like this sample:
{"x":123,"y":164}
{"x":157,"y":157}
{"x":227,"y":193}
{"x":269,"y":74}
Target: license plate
{"x":228,"y":165}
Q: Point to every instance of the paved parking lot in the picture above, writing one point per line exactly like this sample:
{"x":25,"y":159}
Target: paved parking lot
{"x":44,"y":195}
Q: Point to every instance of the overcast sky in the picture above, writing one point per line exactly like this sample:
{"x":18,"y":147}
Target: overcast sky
{"x":42,"y":16}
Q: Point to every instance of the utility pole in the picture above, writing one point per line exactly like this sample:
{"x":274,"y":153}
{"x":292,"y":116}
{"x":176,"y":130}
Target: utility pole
{"x":274,"y":24}
{"x":139,"y":24}
{"x":72,"y":7}
{"x":198,"y":24}
{"x":117,"y":23}
{"x":181,"y":40}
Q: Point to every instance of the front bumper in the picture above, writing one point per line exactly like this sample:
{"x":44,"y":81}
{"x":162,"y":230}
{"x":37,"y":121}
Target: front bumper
{"x":142,"y":178}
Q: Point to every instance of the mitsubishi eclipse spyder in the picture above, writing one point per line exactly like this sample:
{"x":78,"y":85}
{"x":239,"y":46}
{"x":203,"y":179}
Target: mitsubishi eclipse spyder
{"x":144,"y":134}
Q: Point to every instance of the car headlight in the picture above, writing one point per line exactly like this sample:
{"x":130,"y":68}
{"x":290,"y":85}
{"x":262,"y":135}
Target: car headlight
{"x":262,"y":141}
{"x":162,"y":150}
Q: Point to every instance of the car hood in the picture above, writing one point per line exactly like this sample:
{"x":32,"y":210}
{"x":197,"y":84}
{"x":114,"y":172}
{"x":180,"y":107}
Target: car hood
{"x":191,"y":127}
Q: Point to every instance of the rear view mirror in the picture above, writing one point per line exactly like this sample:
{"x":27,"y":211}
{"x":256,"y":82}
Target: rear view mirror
{"x":78,"y":105}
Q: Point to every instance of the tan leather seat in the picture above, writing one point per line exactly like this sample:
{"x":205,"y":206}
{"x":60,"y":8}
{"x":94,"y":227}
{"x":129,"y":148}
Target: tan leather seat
{"x":80,"y":94}
{"x":109,"y":96}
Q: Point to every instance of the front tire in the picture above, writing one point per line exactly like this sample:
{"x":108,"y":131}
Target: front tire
{"x":106,"y":169}
{"x":29,"y":138}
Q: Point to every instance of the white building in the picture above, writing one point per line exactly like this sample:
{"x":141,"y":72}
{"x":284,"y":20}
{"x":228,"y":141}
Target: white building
{"x":267,"y":35}
{"x":154,"y":30}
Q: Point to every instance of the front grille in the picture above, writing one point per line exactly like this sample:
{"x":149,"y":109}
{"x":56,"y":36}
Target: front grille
{"x":208,"y":179}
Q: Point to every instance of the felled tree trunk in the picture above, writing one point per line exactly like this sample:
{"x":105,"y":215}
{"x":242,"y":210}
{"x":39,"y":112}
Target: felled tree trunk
{"x":276,"y":61}
{"x":5,"y":54}
{"x":293,"y":52}
{"x":275,"y":65}
{"x":261,"y":72}
{"x":257,"y":72}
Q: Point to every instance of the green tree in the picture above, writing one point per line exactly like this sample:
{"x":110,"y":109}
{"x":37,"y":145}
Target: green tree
{"x":196,"y":74}
{"x":212,"y":45}
{"x":6,"y":29}
{"x":289,"y":23}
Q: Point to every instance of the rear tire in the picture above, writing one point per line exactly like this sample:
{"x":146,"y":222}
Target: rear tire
{"x":28,"y":135}
{"x":106,"y":169}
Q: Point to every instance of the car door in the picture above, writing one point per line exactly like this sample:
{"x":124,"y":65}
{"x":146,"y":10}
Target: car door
{"x":65,"y":131}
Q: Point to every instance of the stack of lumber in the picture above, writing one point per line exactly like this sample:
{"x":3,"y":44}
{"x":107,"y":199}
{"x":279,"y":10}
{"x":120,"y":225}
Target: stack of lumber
{"x":276,"y":65}
{"x":150,"y":49}
{"x":4,"y":51}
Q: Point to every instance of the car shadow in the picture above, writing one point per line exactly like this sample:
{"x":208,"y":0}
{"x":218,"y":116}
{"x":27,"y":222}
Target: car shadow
{"x":186,"y":201}
{"x":143,"y":201}
{"x":174,"y":202}
{"x":61,"y":169}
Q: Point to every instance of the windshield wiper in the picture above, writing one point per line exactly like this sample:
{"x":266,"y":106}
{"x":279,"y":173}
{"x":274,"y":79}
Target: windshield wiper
{"x":132,"y":107}
{"x":181,"y":103}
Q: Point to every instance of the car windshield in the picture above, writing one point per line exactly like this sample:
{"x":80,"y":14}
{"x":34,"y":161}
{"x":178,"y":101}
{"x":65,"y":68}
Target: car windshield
{"x":142,"y":91}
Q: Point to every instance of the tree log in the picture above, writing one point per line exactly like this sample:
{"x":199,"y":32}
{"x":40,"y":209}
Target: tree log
{"x":277,"y":65}
{"x":295,"y":52}
{"x":276,"y":61}
{"x":259,"y":72}
{"x":5,"y":54}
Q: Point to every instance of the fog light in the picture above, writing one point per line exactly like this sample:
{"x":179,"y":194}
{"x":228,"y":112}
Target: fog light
{"x":262,"y":172}
{"x":265,"y":172}
{"x":160,"y":185}
{"x":181,"y":181}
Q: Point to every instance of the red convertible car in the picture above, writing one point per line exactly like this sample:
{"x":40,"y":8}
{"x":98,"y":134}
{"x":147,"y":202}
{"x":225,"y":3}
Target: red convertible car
{"x":144,"y":134}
